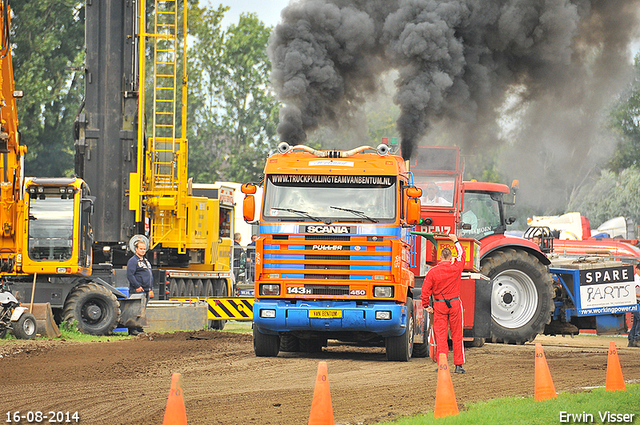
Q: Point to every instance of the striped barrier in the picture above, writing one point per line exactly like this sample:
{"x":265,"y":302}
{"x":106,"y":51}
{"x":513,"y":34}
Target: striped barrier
{"x":226,"y":308}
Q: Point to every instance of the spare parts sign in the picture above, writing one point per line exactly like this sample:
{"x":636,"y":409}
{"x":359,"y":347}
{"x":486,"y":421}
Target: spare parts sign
{"x":609,"y":290}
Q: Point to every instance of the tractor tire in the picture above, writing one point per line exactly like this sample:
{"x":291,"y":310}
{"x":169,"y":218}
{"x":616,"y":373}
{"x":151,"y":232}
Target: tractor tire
{"x":93,"y":307}
{"x":289,"y":343}
{"x":3,"y":333}
{"x":521,"y":298}
{"x":474,"y":343}
{"x":265,"y":345}
{"x":399,"y":348}
{"x":25,"y":327}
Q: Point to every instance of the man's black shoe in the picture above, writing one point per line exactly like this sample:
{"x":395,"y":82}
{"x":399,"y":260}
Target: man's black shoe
{"x":459,"y":369}
{"x":631,"y":344}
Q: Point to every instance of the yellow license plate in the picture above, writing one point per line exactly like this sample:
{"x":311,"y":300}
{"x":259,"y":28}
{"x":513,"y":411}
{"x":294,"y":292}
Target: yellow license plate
{"x":323,"y":314}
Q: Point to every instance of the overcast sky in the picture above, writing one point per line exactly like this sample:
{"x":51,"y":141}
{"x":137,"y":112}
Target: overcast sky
{"x":268,"y":11}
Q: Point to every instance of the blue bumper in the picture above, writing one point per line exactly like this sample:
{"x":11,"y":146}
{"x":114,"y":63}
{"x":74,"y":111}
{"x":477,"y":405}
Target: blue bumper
{"x":355,"y":317}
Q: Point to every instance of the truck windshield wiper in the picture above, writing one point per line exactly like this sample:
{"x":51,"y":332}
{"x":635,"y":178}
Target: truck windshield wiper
{"x":302,"y":213}
{"x":359,"y":213}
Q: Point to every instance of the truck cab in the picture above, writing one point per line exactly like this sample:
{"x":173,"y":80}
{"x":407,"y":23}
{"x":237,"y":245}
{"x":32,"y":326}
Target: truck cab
{"x":333,"y":255}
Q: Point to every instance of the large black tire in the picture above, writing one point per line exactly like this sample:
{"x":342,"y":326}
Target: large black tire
{"x":265,"y":345}
{"x":521,"y":298}
{"x":173,"y":288}
{"x":3,"y":332}
{"x":312,"y":345}
{"x":93,"y":307}
{"x":289,"y":343}
{"x":25,"y":327}
{"x":421,"y":349}
{"x":399,"y":348}
{"x":475,"y":343}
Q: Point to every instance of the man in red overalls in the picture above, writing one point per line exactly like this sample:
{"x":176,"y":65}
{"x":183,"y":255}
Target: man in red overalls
{"x":443,"y":281}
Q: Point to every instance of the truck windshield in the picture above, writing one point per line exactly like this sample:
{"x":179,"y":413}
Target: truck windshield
{"x":436,"y":191}
{"x":481,"y":212}
{"x":330,"y":197}
{"x":50,"y":228}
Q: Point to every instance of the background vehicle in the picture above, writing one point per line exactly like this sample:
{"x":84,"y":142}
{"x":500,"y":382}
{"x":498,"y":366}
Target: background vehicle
{"x":521,"y":285}
{"x":14,"y":317}
{"x":530,"y":292}
{"x":131,"y":159}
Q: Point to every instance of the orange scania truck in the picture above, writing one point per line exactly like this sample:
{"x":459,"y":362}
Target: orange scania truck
{"x":333,"y":256}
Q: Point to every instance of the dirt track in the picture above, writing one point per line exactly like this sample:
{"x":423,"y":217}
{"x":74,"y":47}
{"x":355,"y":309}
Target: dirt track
{"x":127,"y":381}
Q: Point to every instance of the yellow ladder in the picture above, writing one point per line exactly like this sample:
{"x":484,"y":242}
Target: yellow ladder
{"x":164,"y":146}
{"x":159,"y":189}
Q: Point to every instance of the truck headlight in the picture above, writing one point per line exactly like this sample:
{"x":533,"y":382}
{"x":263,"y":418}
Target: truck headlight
{"x":383,"y":291}
{"x":270,"y":314}
{"x":269,"y":289}
{"x":383,"y":315}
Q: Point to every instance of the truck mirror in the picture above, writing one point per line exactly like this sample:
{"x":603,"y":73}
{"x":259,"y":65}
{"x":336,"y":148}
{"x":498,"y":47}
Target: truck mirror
{"x":413,"y":211}
{"x":414,"y":192}
{"x":249,"y":207}
{"x":248,"y":189}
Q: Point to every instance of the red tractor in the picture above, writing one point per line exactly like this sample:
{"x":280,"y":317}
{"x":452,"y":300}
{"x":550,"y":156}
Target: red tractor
{"x":522,"y":289}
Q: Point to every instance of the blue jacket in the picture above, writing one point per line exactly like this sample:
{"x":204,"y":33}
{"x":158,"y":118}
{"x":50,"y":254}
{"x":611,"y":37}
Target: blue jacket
{"x":139,"y":274}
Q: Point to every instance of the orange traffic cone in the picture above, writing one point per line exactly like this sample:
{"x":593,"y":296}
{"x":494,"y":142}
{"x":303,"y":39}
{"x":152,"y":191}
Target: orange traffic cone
{"x":175,"y":413}
{"x":446,"y":404}
{"x":321,"y":410}
{"x":544,"y":389}
{"x":615,"y":382}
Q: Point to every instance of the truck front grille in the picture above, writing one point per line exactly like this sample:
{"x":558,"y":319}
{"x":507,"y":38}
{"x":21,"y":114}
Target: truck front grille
{"x":328,"y":289}
{"x":327,"y":257}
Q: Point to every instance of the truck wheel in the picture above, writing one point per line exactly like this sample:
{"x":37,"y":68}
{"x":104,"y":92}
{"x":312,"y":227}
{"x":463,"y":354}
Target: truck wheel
{"x":399,"y":348}
{"x":265,"y":345}
{"x":93,"y":307}
{"x":3,"y":332}
{"x":521,"y":298}
{"x":312,"y":345}
{"x":25,"y":327}
{"x":173,"y":288}
{"x":289,"y":343}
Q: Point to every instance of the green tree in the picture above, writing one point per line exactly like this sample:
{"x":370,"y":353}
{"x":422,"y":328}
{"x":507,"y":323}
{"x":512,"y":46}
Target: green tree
{"x":625,"y":120}
{"x":610,"y":195}
{"x":47,"y":38}
{"x":234,"y":113}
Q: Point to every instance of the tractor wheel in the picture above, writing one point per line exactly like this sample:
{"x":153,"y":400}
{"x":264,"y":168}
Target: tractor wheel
{"x":399,"y":348}
{"x":265,"y":345}
{"x":93,"y":307}
{"x":475,"y":342}
{"x":25,"y":327}
{"x":3,"y":332}
{"x":521,"y":298}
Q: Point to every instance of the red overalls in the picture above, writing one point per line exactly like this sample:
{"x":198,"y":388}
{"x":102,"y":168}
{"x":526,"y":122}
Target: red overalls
{"x":443,"y":281}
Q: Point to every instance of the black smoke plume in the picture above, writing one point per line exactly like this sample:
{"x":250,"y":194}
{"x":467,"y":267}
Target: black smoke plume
{"x":456,"y":60}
